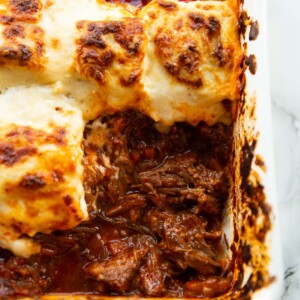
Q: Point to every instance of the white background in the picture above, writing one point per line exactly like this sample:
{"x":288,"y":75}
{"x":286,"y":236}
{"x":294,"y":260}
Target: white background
{"x":284,"y":51}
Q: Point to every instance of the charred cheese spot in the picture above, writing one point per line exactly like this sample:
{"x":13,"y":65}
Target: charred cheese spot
{"x":68,"y":200}
{"x":9,"y":156}
{"x":32,"y":181}
{"x":224,"y":55}
{"x":213,"y":24}
{"x":19,"y":55}
{"x":6,"y":20}
{"x":181,"y":64}
{"x":197,"y":21}
{"x":14,"y":31}
{"x":96,"y":56}
{"x":25,"y":9}
{"x":24,"y":6}
{"x":22,"y":45}
{"x":59,"y":136}
{"x":168,"y":5}
{"x":40,"y":164}
{"x":21,"y":136}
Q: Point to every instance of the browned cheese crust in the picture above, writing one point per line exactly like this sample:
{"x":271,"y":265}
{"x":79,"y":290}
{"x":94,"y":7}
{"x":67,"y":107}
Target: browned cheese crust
{"x":180,"y":54}
{"x":195,"y":47}
{"x":111,"y":53}
{"x":22,"y":39}
{"x":95,"y":57}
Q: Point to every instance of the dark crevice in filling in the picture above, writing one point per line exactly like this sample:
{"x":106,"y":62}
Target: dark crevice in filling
{"x":155,"y":203}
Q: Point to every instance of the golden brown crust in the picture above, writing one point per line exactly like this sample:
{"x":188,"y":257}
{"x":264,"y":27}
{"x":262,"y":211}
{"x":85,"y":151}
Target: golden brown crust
{"x":182,"y":54}
{"x":168,"y":5}
{"x":9,"y":155}
{"x":23,"y":135}
{"x":195,"y":50}
{"x":22,"y":40}
{"x":183,"y":64}
{"x":95,"y":56}
{"x":24,"y":6}
{"x":23,"y":45}
{"x":32,"y":181}
{"x":26,"y":10}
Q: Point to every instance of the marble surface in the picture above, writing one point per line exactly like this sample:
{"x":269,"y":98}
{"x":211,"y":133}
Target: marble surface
{"x":284,"y":51}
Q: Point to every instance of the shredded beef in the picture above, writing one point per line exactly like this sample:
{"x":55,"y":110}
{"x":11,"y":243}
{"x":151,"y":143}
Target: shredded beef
{"x":155,"y":201}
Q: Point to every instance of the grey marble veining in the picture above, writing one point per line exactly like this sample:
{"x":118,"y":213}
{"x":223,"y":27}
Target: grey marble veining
{"x":284,"y":50}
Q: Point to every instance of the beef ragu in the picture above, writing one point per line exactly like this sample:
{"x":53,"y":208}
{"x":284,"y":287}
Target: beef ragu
{"x":155,"y":203}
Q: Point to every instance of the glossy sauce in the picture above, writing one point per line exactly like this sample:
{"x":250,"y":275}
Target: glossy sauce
{"x":155,"y":217}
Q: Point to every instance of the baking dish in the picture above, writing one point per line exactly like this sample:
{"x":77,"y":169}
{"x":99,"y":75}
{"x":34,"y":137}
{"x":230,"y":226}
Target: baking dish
{"x":245,"y":140}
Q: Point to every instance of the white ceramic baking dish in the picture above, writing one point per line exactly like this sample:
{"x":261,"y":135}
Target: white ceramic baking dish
{"x":258,"y":86}
{"x":257,"y":90}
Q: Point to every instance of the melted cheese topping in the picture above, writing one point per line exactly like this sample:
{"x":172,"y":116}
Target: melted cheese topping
{"x":173,"y":61}
{"x":61,"y":49}
{"x":193,"y":60}
{"x":40,"y":164}
{"x":55,"y":64}
{"x":112,"y":53}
